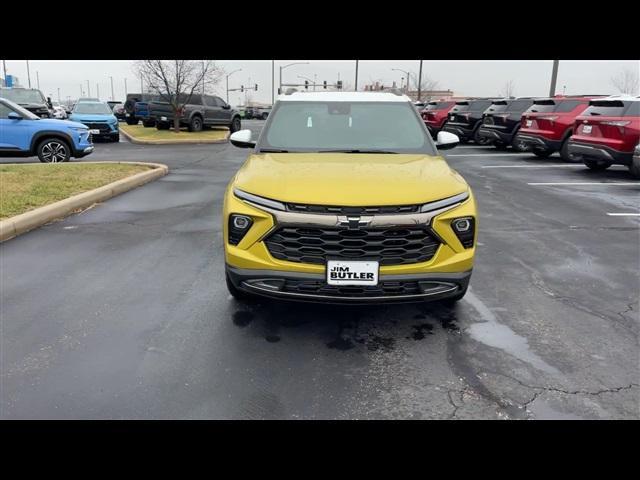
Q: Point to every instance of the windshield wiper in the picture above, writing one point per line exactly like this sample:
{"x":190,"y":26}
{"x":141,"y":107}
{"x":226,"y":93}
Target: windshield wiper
{"x":355,"y":151}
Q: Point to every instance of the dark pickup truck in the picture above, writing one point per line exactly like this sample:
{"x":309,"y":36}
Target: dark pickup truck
{"x":200,"y":111}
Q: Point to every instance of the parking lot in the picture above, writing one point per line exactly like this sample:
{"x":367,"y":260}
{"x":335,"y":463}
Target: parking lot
{"x":121,"y":311}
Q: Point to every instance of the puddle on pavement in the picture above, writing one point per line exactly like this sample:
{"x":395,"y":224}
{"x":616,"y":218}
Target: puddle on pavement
{"x":494,"y":334}
{"x":542,"y":411}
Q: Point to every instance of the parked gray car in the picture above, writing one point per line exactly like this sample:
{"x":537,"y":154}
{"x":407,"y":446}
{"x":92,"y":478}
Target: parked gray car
{"x":199,"y":112}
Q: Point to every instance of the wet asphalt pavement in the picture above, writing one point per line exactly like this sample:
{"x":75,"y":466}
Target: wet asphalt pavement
{"x":122,"y":311}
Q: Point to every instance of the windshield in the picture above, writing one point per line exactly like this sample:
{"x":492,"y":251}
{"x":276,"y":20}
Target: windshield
{"x":22,"y":95}
{"x":355,"y":127}
{"x":92,"y":108}
{"x":439,"y":106}
{"x":24,"y":113}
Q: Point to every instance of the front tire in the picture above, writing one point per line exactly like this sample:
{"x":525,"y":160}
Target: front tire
{"x":480,"y":140}
{"x":131,"y":121}
{"x":162,"y":126}
{"x":116,"y":138}
{"x":265,"y":115}
{"x":236,"y":293}
{"x":235,"y":125}
{"x":634,"y":168}
{"x":195,"y":125}
{"x":564,"y":152}
{"x":518,"y":145}
{"x":53,"y":150}
{"x":148,"y":123}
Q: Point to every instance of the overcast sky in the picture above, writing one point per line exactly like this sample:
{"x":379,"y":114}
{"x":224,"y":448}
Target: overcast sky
{"x":472,"y":78}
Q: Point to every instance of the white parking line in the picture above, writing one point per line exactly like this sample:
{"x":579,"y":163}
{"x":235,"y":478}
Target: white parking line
{"x":584,"y":183}
{"x":624,"y":214}
{"x":534,"y":166}
{"x":491,"y":155}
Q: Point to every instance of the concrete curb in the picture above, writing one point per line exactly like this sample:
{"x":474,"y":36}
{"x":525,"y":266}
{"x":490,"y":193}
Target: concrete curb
{"x":136,"y":140}
{"x":19,"y":224}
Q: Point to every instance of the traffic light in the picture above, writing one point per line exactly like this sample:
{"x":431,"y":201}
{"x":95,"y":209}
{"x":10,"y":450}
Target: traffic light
{"x":256,"y":87}
{"x":339,"y":84}
{"x":242,"y":88}
{"x":325,"y":85}
{"x":306,"y":84}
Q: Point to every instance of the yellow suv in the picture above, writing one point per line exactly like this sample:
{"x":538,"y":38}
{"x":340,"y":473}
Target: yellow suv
{"x":345,"y":199}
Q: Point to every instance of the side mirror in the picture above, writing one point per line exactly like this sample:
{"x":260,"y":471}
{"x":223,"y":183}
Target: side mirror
{"x":446,"y":141}
{"x":49,"y":102}
{"x":226,"y":107}
{"x":14,"y":116}
{"x":242,"y":139}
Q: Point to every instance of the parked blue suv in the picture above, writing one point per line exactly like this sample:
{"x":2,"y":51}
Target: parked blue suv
{"x":23,"y":134}
{"x":99,"y":118}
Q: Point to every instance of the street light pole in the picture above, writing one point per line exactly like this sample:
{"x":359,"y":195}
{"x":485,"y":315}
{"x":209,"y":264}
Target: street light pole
{"x":286,"y":66}
{"x":38,"y":79}
{"x":408,"y":77}
{"x":113,"y":97}
{"x":273,"y":78}
{"x":4,"y":66}
{"x":125,"y":87}
{"x":59,"y":95}
{"x":554,"y":78}
{"x":356,"y":86}
{"x":28,"y":74}
{"x":420,"y":82}
{"x":238,"y":70}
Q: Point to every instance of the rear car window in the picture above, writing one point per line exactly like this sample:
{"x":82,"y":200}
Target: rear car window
{"x":567,"y":105}
{"x":633,"y":110}
{"x":519,"y":106}
{"x":498,"y":106}
{"x":479,"y":105}
{"x":439,"y":106}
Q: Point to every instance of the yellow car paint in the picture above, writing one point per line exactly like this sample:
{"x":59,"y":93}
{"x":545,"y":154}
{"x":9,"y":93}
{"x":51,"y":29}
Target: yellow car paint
{"x":347,"y":180}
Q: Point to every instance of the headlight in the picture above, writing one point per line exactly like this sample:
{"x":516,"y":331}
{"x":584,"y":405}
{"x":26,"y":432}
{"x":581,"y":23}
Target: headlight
{"x":258,"y":201}
{"x":447,"y":202}
{"x":80,"y":129}
{"x":464,"y":228}
{"x":239,"y":225}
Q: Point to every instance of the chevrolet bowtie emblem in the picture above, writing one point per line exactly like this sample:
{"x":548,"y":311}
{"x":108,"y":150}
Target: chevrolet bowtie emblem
{"x":354,"y":222}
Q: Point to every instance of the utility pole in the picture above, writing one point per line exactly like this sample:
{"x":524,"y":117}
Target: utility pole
{"x":420,"y":81}
{"x":273,"y":78}
{"x":38,"y":79}
{"x":112,"y":95}
{"x":554,"y":78}
{"x":81,"y":90}
{"x":356,"y":86}
{"x":141,"y":90}
{"x":59,"y":95}
{"x":28,"y":74}
{"x":4,"y":66}
{"x":125,"y":87}
{"x":286,"y":66}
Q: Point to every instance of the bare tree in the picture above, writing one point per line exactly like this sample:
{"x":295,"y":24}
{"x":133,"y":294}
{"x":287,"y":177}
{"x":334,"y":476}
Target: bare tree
{"x":427,"y":85}
{"x":508,"y":89}
{"x":175,"y":81}
{"x":626,"y":81}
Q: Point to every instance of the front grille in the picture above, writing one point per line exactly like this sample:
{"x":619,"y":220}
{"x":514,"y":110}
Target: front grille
{"x":297,"y":207}
{"x":386,"y":289}
{"x":389,"y":246}
{"x":103,"y":127}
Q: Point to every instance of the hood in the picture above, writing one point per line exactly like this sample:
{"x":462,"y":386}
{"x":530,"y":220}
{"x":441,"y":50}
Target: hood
{"x":349,"y":179}
{"x":56,"y":123}
{"x":34,"y":106}
{"x":87,"y":117}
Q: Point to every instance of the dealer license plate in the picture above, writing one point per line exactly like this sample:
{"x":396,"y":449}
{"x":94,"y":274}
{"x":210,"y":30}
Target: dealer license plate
{"x":340,"y":272}
{"x":529,"y":123}
{"x":587,"y":128}
{"x":94,"y":131}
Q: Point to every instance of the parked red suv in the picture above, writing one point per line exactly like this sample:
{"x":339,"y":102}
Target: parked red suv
{"x":607,"y":133}
{"x":435,"y":115}
{"x":547,"y":125}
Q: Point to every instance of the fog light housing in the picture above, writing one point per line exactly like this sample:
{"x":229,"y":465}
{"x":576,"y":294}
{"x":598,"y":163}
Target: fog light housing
{"x":239,"y":225}
{"x":464,"y":228}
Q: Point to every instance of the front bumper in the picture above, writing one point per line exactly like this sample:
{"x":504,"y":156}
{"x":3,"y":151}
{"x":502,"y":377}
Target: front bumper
{"x":311,"y":287}
{"x":582,"y":151}
{"x":250,"y":259}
